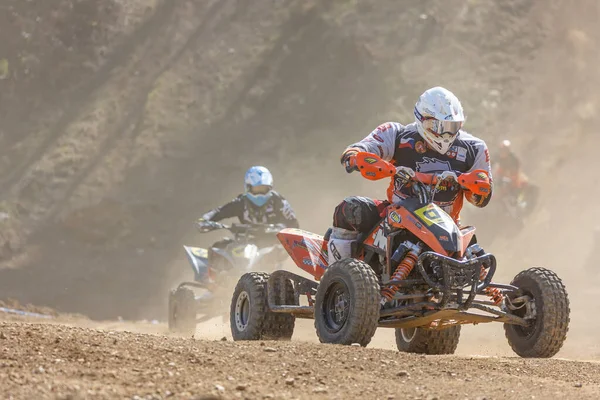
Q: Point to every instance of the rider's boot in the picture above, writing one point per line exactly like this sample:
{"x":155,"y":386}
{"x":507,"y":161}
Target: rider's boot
{"x":340,"y":244}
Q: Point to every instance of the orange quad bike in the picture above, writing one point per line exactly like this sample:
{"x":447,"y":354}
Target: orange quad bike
{"x":416,"y":271}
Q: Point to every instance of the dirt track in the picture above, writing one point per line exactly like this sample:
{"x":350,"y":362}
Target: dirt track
{"x":105,"y":148}
{"x":59,"y":361}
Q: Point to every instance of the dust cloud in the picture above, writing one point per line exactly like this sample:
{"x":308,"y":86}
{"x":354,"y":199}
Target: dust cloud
{"x":171,"y":107}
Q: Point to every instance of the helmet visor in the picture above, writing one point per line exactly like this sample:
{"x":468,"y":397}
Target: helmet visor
{"x":259,"y":189}
{"x":446,"y":130}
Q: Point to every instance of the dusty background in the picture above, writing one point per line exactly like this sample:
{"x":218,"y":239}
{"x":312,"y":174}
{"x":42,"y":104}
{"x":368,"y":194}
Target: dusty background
{"x":122,"y":121}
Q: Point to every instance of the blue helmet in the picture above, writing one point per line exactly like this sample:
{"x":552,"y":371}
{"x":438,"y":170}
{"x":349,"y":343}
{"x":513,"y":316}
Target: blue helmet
{"x":259,"y":185}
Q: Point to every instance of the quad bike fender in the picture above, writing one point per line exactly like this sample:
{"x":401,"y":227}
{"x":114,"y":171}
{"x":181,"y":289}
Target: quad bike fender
{"x":308,"y":250}
{"x":468,"y":232}
{"x":198,"y":259}
{"x":236,"y":256}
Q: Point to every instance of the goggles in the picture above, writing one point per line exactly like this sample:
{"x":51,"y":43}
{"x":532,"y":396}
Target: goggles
{"x":259,"y":189}
{"x":445,"y":130}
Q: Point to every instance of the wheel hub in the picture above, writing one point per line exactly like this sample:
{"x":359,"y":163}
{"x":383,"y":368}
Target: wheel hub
{"x":408,"y":334}
{"x":340,"y":306}
{"x":337,"y":306}
{"x":242,"y":311}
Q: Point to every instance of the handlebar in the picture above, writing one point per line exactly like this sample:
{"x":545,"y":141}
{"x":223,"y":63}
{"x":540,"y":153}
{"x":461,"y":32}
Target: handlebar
{"x":236,"y":229}
{"x":375,"y":168}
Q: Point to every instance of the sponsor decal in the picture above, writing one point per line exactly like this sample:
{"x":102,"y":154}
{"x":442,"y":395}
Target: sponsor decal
{"x":443,"y":238}
{"x":370,"y":174}
{"x":308,"y":261}
{"x":395,"y":217}
{"x":383,"y":127}
{"x":334,"y":251}
{"x":379,"y":239}
{"x":380,"y":150}
{"x":301,"y":245}
{"x":452,"y":152}
{"x":430,"y":215}
{"x":370,"y":160}
{"x":481,"y":175}
{"x":461,"y":154}
{"x":406,"y":143}
{"x":377,"y":137}
{"x":415,"y":222}
{"x":420,"y":147}
{"x":430,"y":164}
{"x":487,"y":156}
{"x":317,"y":253}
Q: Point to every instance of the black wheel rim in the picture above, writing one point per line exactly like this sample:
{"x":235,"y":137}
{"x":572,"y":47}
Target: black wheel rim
{"x":336,"y":306}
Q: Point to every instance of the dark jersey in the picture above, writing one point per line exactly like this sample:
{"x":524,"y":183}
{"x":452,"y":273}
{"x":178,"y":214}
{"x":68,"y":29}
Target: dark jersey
{"x":277,"y":210}
{"x":404,"y":146}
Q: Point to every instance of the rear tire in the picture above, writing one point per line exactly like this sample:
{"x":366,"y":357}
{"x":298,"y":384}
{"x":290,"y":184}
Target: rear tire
{"x":548,"y":331}
{"x":347,"y":303}
{"x":428,"y":341}
{"x":250,"y":318}
{"x":280,"y":326}
{"x":182,"y":311}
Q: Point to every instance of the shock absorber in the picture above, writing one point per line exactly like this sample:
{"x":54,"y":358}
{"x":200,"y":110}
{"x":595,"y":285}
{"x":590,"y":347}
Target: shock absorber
{"x":402,"y":271}
{"x":493,"y":293}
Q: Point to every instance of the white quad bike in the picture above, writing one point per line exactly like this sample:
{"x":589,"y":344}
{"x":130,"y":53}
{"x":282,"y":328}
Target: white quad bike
{"x":196,"y":301}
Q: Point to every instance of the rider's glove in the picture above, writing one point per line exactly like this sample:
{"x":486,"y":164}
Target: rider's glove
{"x":348,"y":160}
{"x":448,"y":175}
{"x":405,"y":174}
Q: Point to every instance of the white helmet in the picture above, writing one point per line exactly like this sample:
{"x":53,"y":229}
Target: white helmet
{"x":439,"y":116}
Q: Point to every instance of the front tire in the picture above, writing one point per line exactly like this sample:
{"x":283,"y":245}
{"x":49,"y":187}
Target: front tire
{"x":347,"y":303}
{"x":182,"y":311}
{"x":548,"y":329}
{"x":428,"y":341}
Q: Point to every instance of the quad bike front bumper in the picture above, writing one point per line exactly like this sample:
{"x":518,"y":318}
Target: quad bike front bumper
{"x":454,"y":286}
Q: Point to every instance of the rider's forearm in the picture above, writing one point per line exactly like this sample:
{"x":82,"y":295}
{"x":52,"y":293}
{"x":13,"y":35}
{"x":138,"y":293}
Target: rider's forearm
{"x":210,"y":216}
{"x":229,"y":210}
{"x":381,"y":141}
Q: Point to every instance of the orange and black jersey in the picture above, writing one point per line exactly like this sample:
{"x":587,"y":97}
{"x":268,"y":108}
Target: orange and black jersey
{"x":403,"y":146}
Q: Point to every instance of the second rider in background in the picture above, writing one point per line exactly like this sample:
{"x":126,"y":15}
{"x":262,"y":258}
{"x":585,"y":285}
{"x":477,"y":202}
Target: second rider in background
{"x":259,"y":204}
{"x":511,"y":179}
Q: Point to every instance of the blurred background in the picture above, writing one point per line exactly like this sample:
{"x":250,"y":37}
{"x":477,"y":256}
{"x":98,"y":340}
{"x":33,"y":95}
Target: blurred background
{"x":122,"y":121}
